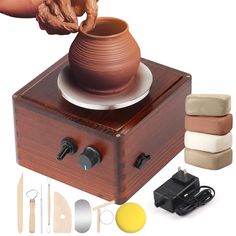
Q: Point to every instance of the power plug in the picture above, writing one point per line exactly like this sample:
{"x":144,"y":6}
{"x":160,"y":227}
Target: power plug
{"x":181,"y":193}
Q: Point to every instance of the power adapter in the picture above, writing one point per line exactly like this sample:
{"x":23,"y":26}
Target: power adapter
{"x":182,"y":193}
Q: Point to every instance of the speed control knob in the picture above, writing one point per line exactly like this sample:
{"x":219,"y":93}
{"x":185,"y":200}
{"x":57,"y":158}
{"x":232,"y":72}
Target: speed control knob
{"x":89,"y":158}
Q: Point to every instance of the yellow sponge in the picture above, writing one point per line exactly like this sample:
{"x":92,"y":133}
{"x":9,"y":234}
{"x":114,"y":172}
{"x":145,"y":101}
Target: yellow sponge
{"x":130,"y":217}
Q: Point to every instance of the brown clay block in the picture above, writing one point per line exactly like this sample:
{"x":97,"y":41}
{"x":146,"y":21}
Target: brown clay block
{"x":209,"y":124}
{"x":207,"y":104}
{"x":213,"y":161}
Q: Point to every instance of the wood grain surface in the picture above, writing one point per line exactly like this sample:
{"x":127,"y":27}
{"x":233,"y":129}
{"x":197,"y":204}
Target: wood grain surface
{"x":154,"y":126}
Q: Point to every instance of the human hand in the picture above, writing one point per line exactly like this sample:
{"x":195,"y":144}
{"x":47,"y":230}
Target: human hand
{"x":60,"y":16}
{"x":22,"y":8}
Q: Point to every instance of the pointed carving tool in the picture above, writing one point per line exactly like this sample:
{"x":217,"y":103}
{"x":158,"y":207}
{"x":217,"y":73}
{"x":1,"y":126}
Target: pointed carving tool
{"x":20,"y":204}
{"x":49,"y":206}
{"x":41,"y":209}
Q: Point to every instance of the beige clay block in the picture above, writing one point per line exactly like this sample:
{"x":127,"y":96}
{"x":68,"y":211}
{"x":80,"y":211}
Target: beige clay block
{"x":207,"y":104}
{"x":213,"y":161}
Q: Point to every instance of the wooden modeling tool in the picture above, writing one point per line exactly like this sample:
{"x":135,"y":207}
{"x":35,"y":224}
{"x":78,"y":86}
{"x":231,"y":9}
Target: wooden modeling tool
{"x":32,"y":194}
{"x":41,"y":209}
{"x":62,"y":215}
{"x":49,"y":205}
{"x":98,"y":209}
{"x":98,"y":221}
{"x":20,"y":204}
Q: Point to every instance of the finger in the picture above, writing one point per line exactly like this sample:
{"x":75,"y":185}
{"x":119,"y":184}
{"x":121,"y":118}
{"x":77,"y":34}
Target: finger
{"x":72,"y":27}
{"x":54,"y":9}
{"x":87,"y":27}
{"x":42,"y":12}
{"x":56,"y":29}
{"x":91,"y":9}
{"x":58,"y":32}
{"x":61,"y":27}
{"x":89,"y":23}
{"x":67,"y":11}
{"x":51,"y":23}
{"x":41,"y":26}
{"x":79,"y":10}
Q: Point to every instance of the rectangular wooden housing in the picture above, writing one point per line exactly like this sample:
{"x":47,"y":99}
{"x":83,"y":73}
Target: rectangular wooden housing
{"x":154,"y":126}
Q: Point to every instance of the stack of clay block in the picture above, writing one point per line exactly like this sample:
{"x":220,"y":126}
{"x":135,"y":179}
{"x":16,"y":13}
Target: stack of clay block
{"x":208,"y":140}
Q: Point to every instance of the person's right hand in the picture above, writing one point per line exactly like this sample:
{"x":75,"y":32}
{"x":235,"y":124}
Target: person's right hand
{"x":20,"y":8}
{"x":60,"y":16}
{"x":57,"y":17}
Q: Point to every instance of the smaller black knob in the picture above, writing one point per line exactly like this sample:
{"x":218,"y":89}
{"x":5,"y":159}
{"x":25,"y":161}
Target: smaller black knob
{"x":141,"y":160}
{"x":68,"y":146}
{"x":89,"y":158}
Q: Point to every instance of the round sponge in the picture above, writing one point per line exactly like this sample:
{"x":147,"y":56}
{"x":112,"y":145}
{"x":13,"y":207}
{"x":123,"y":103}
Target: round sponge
{"x":130,"y":217}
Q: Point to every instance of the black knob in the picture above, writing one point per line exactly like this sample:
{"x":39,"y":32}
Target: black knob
{"x":68,"y":146}
{"x":89,"y":158}
{"x":141,"y":160}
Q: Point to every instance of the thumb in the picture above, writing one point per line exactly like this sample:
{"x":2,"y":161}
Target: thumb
{"x":68,"y":11}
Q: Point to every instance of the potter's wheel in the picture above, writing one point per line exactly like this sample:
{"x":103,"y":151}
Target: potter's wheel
{"x":81,"y":98}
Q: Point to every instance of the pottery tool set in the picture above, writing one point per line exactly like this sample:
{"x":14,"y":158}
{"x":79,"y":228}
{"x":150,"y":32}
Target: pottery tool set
{"x":62,"y":221}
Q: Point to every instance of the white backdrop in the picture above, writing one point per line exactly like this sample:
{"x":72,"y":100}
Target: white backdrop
{"x":198,"y":37}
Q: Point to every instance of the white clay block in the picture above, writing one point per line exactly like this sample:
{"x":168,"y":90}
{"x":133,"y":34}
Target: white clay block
{"x":207,"y":142}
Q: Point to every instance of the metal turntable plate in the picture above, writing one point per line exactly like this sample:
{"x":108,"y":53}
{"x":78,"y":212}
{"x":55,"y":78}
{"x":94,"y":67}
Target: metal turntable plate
{"x":135,"y":93}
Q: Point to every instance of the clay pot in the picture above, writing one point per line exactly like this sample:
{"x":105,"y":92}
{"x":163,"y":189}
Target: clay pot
{"x":105,"y":60}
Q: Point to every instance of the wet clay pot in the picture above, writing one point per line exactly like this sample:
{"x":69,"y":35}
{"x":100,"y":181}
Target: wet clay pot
{"x":106,"y":59}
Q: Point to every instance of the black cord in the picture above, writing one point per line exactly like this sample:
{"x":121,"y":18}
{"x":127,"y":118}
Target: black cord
{"x":194,"y":199}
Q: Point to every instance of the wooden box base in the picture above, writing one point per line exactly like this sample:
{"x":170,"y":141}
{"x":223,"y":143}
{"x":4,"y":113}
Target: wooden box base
{"x":154,"y":126}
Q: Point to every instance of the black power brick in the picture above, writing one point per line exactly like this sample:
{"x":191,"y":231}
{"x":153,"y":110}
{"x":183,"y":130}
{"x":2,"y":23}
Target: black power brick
{"x":182,"y":193}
